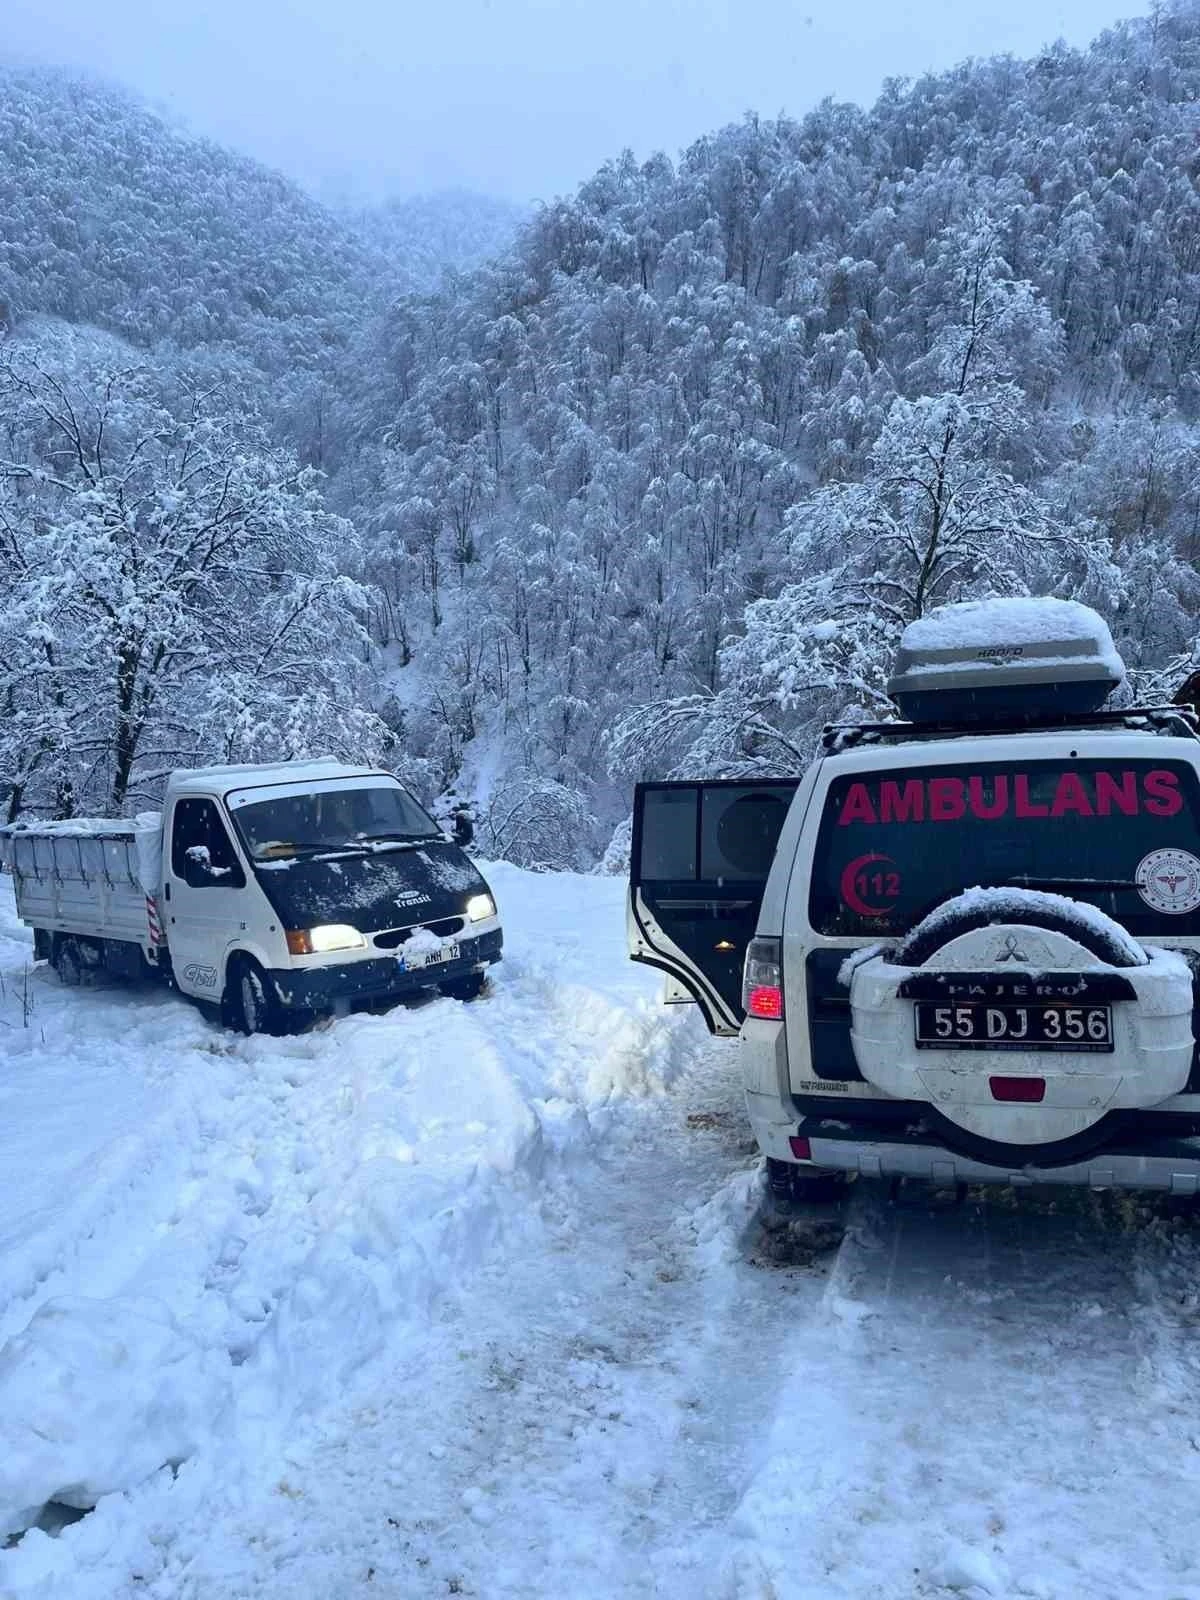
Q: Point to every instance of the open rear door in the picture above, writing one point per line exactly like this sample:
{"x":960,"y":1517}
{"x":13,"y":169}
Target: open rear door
{"x":699,"y":863}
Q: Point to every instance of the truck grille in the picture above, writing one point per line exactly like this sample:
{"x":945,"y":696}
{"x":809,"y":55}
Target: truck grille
{"x":393,"y":938}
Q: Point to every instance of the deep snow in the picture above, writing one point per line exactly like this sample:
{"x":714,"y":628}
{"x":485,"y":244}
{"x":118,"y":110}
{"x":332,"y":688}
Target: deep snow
{"x":474,"y":1300}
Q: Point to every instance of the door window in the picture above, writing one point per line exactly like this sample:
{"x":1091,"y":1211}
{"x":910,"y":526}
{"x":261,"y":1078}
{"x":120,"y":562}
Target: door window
{"x":202,"y":854}
{"x":702,"y":853}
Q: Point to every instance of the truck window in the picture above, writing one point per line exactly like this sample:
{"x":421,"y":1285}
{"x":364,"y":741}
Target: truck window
{"x":1121,"y":835}
{"x":202,"y":853}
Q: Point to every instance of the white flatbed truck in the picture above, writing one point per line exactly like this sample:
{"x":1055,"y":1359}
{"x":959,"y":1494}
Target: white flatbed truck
{"x":274,"y":891}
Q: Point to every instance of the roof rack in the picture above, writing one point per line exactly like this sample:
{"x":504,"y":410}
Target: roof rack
{"x":1167,"y":721}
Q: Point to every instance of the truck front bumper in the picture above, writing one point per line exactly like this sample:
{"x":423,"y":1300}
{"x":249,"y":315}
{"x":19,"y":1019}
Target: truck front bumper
{"x":379,"y":979}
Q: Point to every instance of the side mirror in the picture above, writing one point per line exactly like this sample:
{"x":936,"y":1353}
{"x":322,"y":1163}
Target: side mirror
{"x":464,"y":828}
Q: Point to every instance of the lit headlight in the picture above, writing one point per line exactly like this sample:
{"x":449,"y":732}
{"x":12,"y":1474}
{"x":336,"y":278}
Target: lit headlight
{"x":480,"y":906}
{"x":319,"y":941}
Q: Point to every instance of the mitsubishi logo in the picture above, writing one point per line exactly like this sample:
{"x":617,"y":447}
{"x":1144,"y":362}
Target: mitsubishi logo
{"x":1012,"y":950}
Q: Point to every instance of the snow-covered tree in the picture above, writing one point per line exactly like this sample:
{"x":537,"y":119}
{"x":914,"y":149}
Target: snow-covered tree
{"x":169,"y":590}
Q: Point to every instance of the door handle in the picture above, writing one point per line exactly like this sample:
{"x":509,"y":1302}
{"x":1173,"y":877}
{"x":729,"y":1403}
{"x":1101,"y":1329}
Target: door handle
{"x":166,"y":891}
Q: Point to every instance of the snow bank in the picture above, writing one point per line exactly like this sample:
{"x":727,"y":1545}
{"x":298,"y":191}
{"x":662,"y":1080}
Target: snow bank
{"x":95,"y":1396}
{"x":205,"y":1239}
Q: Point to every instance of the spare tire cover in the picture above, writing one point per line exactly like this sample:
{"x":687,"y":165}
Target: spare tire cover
{"x":1019,"y":964}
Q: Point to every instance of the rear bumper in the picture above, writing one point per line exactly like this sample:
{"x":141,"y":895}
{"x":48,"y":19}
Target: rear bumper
{"x":320,"y":988}
{"x":842,"y":1139}
{"x":1169,"y":1165}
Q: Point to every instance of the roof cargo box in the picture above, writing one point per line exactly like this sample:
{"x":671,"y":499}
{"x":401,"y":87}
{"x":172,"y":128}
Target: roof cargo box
{"x":1000,"y":661}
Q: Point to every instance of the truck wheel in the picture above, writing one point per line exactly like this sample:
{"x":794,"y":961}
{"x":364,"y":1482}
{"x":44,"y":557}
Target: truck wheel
{"x":789,"y":1184}
{"x":67,"y":961}
{"x":250,"y":1003}
{"x":468,"y":988}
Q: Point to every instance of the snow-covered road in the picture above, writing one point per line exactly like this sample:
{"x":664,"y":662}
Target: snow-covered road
{"x":475,"y":1300}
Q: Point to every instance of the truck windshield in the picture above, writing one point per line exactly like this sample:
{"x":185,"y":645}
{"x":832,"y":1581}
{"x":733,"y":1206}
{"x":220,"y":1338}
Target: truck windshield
{"x":289,"y":826}
{"x":1121,"y":835}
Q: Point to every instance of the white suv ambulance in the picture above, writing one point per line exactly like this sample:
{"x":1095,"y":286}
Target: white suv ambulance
{"x":962,"y":947}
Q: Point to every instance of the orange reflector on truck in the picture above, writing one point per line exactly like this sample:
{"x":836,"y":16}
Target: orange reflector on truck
{"x":801,"y":1148}
{"x":1020,"y":1091}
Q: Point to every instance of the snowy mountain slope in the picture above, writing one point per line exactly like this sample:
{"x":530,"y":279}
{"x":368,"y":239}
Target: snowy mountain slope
{"x":117,"y":218}
{"x":473,"y":1300}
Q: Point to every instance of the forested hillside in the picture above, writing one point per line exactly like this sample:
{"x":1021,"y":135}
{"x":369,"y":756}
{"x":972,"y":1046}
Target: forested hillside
{"x":653,"y":491}
{"x":112,"y":217}
{"x":423,"y":238}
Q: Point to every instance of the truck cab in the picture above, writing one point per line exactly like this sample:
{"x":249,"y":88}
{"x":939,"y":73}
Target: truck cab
{"x":967,"y":952}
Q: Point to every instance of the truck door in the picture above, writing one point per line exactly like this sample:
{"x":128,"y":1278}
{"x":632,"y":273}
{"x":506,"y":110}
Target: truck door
{"x":205,"y":895}
{"x":700,"y":857}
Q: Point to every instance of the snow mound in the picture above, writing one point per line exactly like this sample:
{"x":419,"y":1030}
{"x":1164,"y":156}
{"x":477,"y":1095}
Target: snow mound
{"x":1009,"y":905}
{"x":996,"y":624}
{"x":424,"y":942}
{"x":246,"y":1226}
{"x":96,"y":1396}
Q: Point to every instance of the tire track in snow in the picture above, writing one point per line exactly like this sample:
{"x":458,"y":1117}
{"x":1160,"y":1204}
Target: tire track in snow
{"x":511,"y":1366}
{"x":580,"y":1415}
{"x":993,"y":1401}
{"x":977,"y":1412}
{"x":322,"y":1194}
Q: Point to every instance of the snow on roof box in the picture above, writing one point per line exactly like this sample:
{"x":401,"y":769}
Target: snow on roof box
{"x":1005,"y":661}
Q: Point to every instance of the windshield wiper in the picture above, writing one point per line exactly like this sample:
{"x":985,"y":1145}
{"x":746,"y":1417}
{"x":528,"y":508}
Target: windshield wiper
{"x":292,"y":853}
{"x":308,"y":852}
{"x":395,"y":838}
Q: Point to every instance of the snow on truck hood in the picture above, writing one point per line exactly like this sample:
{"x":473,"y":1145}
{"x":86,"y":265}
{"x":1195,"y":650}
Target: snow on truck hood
{"x":390,"y":888}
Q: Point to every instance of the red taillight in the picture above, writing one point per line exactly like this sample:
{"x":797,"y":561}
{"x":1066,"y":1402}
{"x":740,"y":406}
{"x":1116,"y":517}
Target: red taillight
{"x":762,"y":980}
{"x":801,"y":1148}
{"x":1022,"y":1091}
{"x":765,"y":1000}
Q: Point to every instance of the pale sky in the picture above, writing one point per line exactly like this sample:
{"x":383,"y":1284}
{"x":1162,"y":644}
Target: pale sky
{"x":518,"y":98}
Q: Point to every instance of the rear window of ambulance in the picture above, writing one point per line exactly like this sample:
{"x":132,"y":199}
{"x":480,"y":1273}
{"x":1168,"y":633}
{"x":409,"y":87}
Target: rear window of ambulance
{"x":1122,"y":836}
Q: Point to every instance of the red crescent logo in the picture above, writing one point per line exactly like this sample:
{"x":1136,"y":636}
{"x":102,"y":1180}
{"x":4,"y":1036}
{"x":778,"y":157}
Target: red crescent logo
{"x":850,"y":894}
